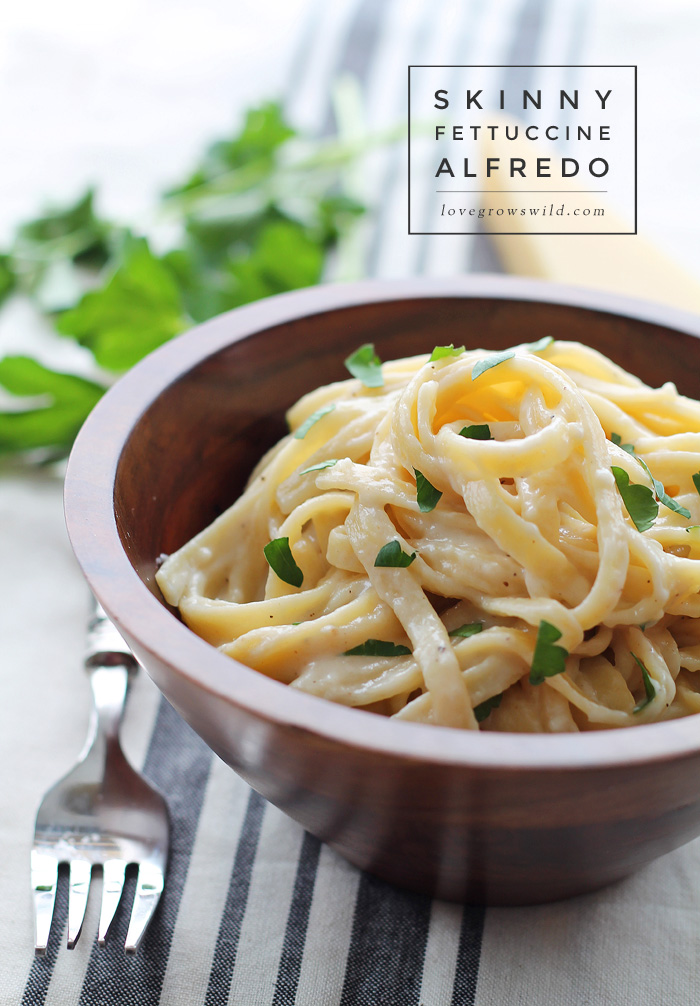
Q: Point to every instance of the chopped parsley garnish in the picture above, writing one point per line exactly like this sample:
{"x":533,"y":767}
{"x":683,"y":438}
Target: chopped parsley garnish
{"x":638,"y":499}
{"x":649,"y":686}
{"x":440,"y":352}
{"x":279,"y":556}
{"x":468,"y":629}
{"x":427,"y":495}
{"x":491,"y":361}
{"x":320,"y":466}
{"x":392,"y":554}
{"x":661,"y":494}
{"x":484,"y":708}
{"x":617,"y":440}
{"x":696,"y":482}
{"x":313,"y":418}
{"x":378,"y":648}
{"x":477,"y":431}
{"x":692,"y":527}
{"x":537,"y":347}
{"x":668,"y":501}
{"x":365,"y":365}
{"x":548,"y":659}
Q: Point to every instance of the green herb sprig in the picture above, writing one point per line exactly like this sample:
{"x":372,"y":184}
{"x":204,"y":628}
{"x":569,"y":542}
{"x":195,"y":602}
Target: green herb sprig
{"x":311,"y":420}
{"x":483,"y":710}
{"x":468,"y":629}
{"x":649,"y":686}
{"x":392,"y":554}
{"x":365,"y":365}
{"x":441,"y":352}
{"x":257,"y":216}
{"x":548,"y":658}
{"x":378,"y":648}
{"x":540,"y":345}
{"x":638,"y":499}
{"x":427,"y":496}
{"x":481,"y":366}
{"x":477,"y":431}
{"x":661,"y":494}
{"x":617,"y":440}
{"x":53,"y":424}
{"x":281,"y":561}
{"x":320,"y":466}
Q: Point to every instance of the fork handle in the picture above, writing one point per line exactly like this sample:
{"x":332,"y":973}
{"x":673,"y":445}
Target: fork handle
{"x":110,"y":664}
{"x":105,"y":646}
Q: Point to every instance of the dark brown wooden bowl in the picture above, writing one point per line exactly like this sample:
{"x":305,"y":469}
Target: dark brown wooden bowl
{"x":495,"y":818}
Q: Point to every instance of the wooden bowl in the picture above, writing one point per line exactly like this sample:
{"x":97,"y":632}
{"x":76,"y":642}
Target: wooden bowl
{"x":494,"y":818}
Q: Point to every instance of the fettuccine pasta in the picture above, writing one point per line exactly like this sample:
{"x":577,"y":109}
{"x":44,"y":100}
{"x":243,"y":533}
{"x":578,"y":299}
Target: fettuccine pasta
{"x":484,"y":541}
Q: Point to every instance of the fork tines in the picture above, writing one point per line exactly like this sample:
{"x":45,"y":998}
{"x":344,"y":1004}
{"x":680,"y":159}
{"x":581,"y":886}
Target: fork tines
{"x":149,"y":887}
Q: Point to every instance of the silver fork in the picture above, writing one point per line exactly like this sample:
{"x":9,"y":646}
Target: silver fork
{"x":102,"y":813}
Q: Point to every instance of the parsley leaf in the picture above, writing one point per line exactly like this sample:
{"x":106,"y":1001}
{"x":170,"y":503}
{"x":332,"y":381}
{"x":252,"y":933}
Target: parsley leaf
{"x":638,"y":499}
{"x":256,"y":149}
{"x":440,"y":352}
{"x":392,"y":554}
{"x":548,"y":659}
{"x":138,"y":309}
{"x":617,"y":440}
{"x":661,"y":494}
{"x":73,"y":232}
{"x":53,"y":254}
{"x":7,"y":277}
{"x":696,"y":481}
{"x":280,"y":558}
{"x":284,"y":257}
{"x":52,"y":424}
{"x":649,"y":686}
{"x":484,"y":708}
{"x":311,"y":420}
{"x":427,"y":495}
{"x":468,"y":629}
{"x":668,"y":501}
{"x":491,"y":361}
{"x":378,"y":648}
{"x":320,"y":466}
{"x":365,"y":365}
{"x":537,"y":347}
{"x":479,"y":431}
{"x":228,"y":262}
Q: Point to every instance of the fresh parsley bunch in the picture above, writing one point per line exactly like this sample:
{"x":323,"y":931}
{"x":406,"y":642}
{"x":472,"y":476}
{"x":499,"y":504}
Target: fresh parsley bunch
{"x":258,"y":216}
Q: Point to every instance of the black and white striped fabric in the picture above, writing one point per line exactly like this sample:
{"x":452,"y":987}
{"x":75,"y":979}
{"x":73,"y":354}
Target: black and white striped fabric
{"x":256,"y":912}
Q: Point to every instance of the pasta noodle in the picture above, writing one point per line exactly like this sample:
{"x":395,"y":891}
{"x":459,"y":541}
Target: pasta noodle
{"x":506,"y":542}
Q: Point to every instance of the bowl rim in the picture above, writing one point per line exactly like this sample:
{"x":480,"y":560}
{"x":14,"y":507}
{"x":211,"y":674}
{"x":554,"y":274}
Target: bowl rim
{"x":92,"y":529}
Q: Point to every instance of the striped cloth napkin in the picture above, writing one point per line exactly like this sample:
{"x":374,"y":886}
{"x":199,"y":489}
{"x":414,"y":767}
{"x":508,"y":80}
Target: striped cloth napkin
{"x":255,"y":911}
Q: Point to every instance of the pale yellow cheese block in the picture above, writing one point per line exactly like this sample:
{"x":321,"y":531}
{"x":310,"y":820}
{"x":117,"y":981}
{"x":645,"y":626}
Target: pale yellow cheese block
{"x":623,"y":263}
